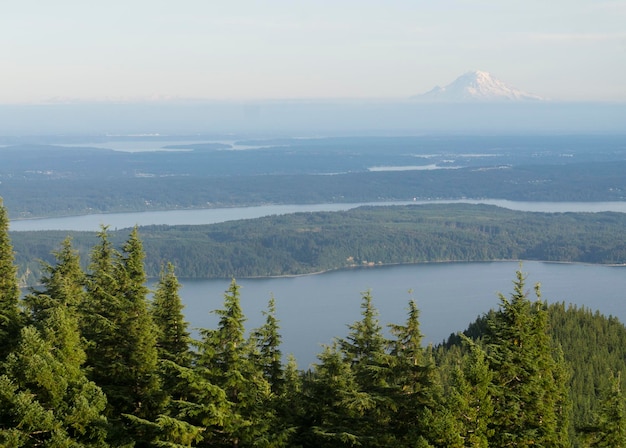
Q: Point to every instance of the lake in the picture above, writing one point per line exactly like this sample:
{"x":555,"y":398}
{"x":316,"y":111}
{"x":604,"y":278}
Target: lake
{"x":313,"y":309}
{"x":214,"y":215}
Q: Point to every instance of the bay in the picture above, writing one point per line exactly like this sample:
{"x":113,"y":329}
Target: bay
{"x":92,"y":223}
{"x":314,"y":309}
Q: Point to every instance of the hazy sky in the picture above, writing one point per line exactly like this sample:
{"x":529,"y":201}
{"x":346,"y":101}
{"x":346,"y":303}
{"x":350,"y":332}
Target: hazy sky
{"x":275,"y":49}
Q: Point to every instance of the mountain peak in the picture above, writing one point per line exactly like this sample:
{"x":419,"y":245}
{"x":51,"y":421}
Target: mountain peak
{"x":476,"y":86}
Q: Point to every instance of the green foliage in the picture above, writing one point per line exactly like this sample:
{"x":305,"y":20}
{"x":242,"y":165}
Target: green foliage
{"x":9,"y":292}
{"x":610,"y":423}
{"x":266,"y":342}
{"x":121,"y":350}
{"x":226,"y":360}
{"x":311,"y":242}
{"x":96,"y":365}
{"x":47,"y":399}
{"x":470,"y":397}
{"x":529,"y":394}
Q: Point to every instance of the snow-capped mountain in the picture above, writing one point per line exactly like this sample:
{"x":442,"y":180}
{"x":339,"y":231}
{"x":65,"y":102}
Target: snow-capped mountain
{"x":476,"y":86}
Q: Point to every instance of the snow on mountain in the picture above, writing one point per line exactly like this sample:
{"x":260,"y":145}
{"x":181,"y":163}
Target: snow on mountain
{"x":476,"y":86}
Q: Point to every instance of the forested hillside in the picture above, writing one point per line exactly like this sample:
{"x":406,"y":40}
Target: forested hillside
{"x":87,"y":360}
{"x":304,"y":243}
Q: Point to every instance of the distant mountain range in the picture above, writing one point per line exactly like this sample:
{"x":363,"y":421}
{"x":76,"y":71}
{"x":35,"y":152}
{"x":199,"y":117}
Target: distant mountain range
{"x":476,"y":86}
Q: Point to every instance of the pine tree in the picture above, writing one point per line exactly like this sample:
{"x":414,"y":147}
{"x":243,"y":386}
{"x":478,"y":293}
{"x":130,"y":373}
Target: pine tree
{"x":530,"y":400}
{"x":10,"y":319}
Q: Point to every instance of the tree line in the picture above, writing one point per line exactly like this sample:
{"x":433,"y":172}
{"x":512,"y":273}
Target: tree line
{"x":86,"y":360}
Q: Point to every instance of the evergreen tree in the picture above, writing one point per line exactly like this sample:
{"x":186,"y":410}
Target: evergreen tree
{"x":530,"y":399}
{"x":365,"y":351}
{"x":470,"y":398}
{"x":332,"y":403}
{"x":413,"y":383}
{"x":226,"y":360}
{"x":139,"y":380}
{"x":268,"y":357}
{"x":290,"y":409}
{"x":609,"y":429}
{"x":10,"y":319}
{"x":45,"y":398}
{"x":121,"y":336}
{"x":173,"y":340}
{"x":63,"y":284}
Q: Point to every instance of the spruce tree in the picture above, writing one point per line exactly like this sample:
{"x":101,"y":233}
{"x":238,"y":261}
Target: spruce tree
{"x":266,"y":341}
{"x":10,"y":319}
{"x":139,"y":380}
{"x":413,"y":382}
{"x":225,"y":359}
{"x":469,"y":398}
{"x":45,"y":398}
{"x":365,"y":351}
{"x":122,"y":354}
{"x":530,"y":399}
{"x":609,"y":429}
{"x":332,"y":403}
{"x":63,"y":284}
{"x":173,"y":339}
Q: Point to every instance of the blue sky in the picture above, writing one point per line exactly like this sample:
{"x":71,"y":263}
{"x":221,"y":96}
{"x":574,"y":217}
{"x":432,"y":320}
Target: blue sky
{"x":273,"y":49}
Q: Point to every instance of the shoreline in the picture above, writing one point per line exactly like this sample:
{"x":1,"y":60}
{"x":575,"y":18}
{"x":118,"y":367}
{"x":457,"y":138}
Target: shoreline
{"x":383,"y":265}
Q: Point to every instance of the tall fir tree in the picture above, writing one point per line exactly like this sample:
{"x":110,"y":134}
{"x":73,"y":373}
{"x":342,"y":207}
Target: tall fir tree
{"x":63,"y":284}
{"x":530,"y":399}
{"x":266,"y":341}
{"x":139,"y":330}
{"x":173,"y":338}
{"x":609,"y":429}
{"x":46,"y":399}
{"x":332,"y":403}
{"x":225,"y":358}
{"x":413,"y":382}
{"x":469,"y":398}
{"x":100,"y":324}
{"x":10,"y":317}
{"x":121,"y":350}
{"x":365,"y":350}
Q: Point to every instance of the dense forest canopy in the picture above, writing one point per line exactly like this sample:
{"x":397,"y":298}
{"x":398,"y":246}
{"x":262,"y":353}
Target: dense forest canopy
{"x":304,"y":243}
{"x":88,"y":360}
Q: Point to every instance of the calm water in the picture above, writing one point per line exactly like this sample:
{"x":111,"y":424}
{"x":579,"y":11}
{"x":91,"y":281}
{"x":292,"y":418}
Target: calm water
{"x":215,"y":215}
{"x":314,"y":309}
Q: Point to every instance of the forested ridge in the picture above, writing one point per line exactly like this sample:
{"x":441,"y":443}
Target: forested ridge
{"x":87,"y":360}
{"x":304,"y":243}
